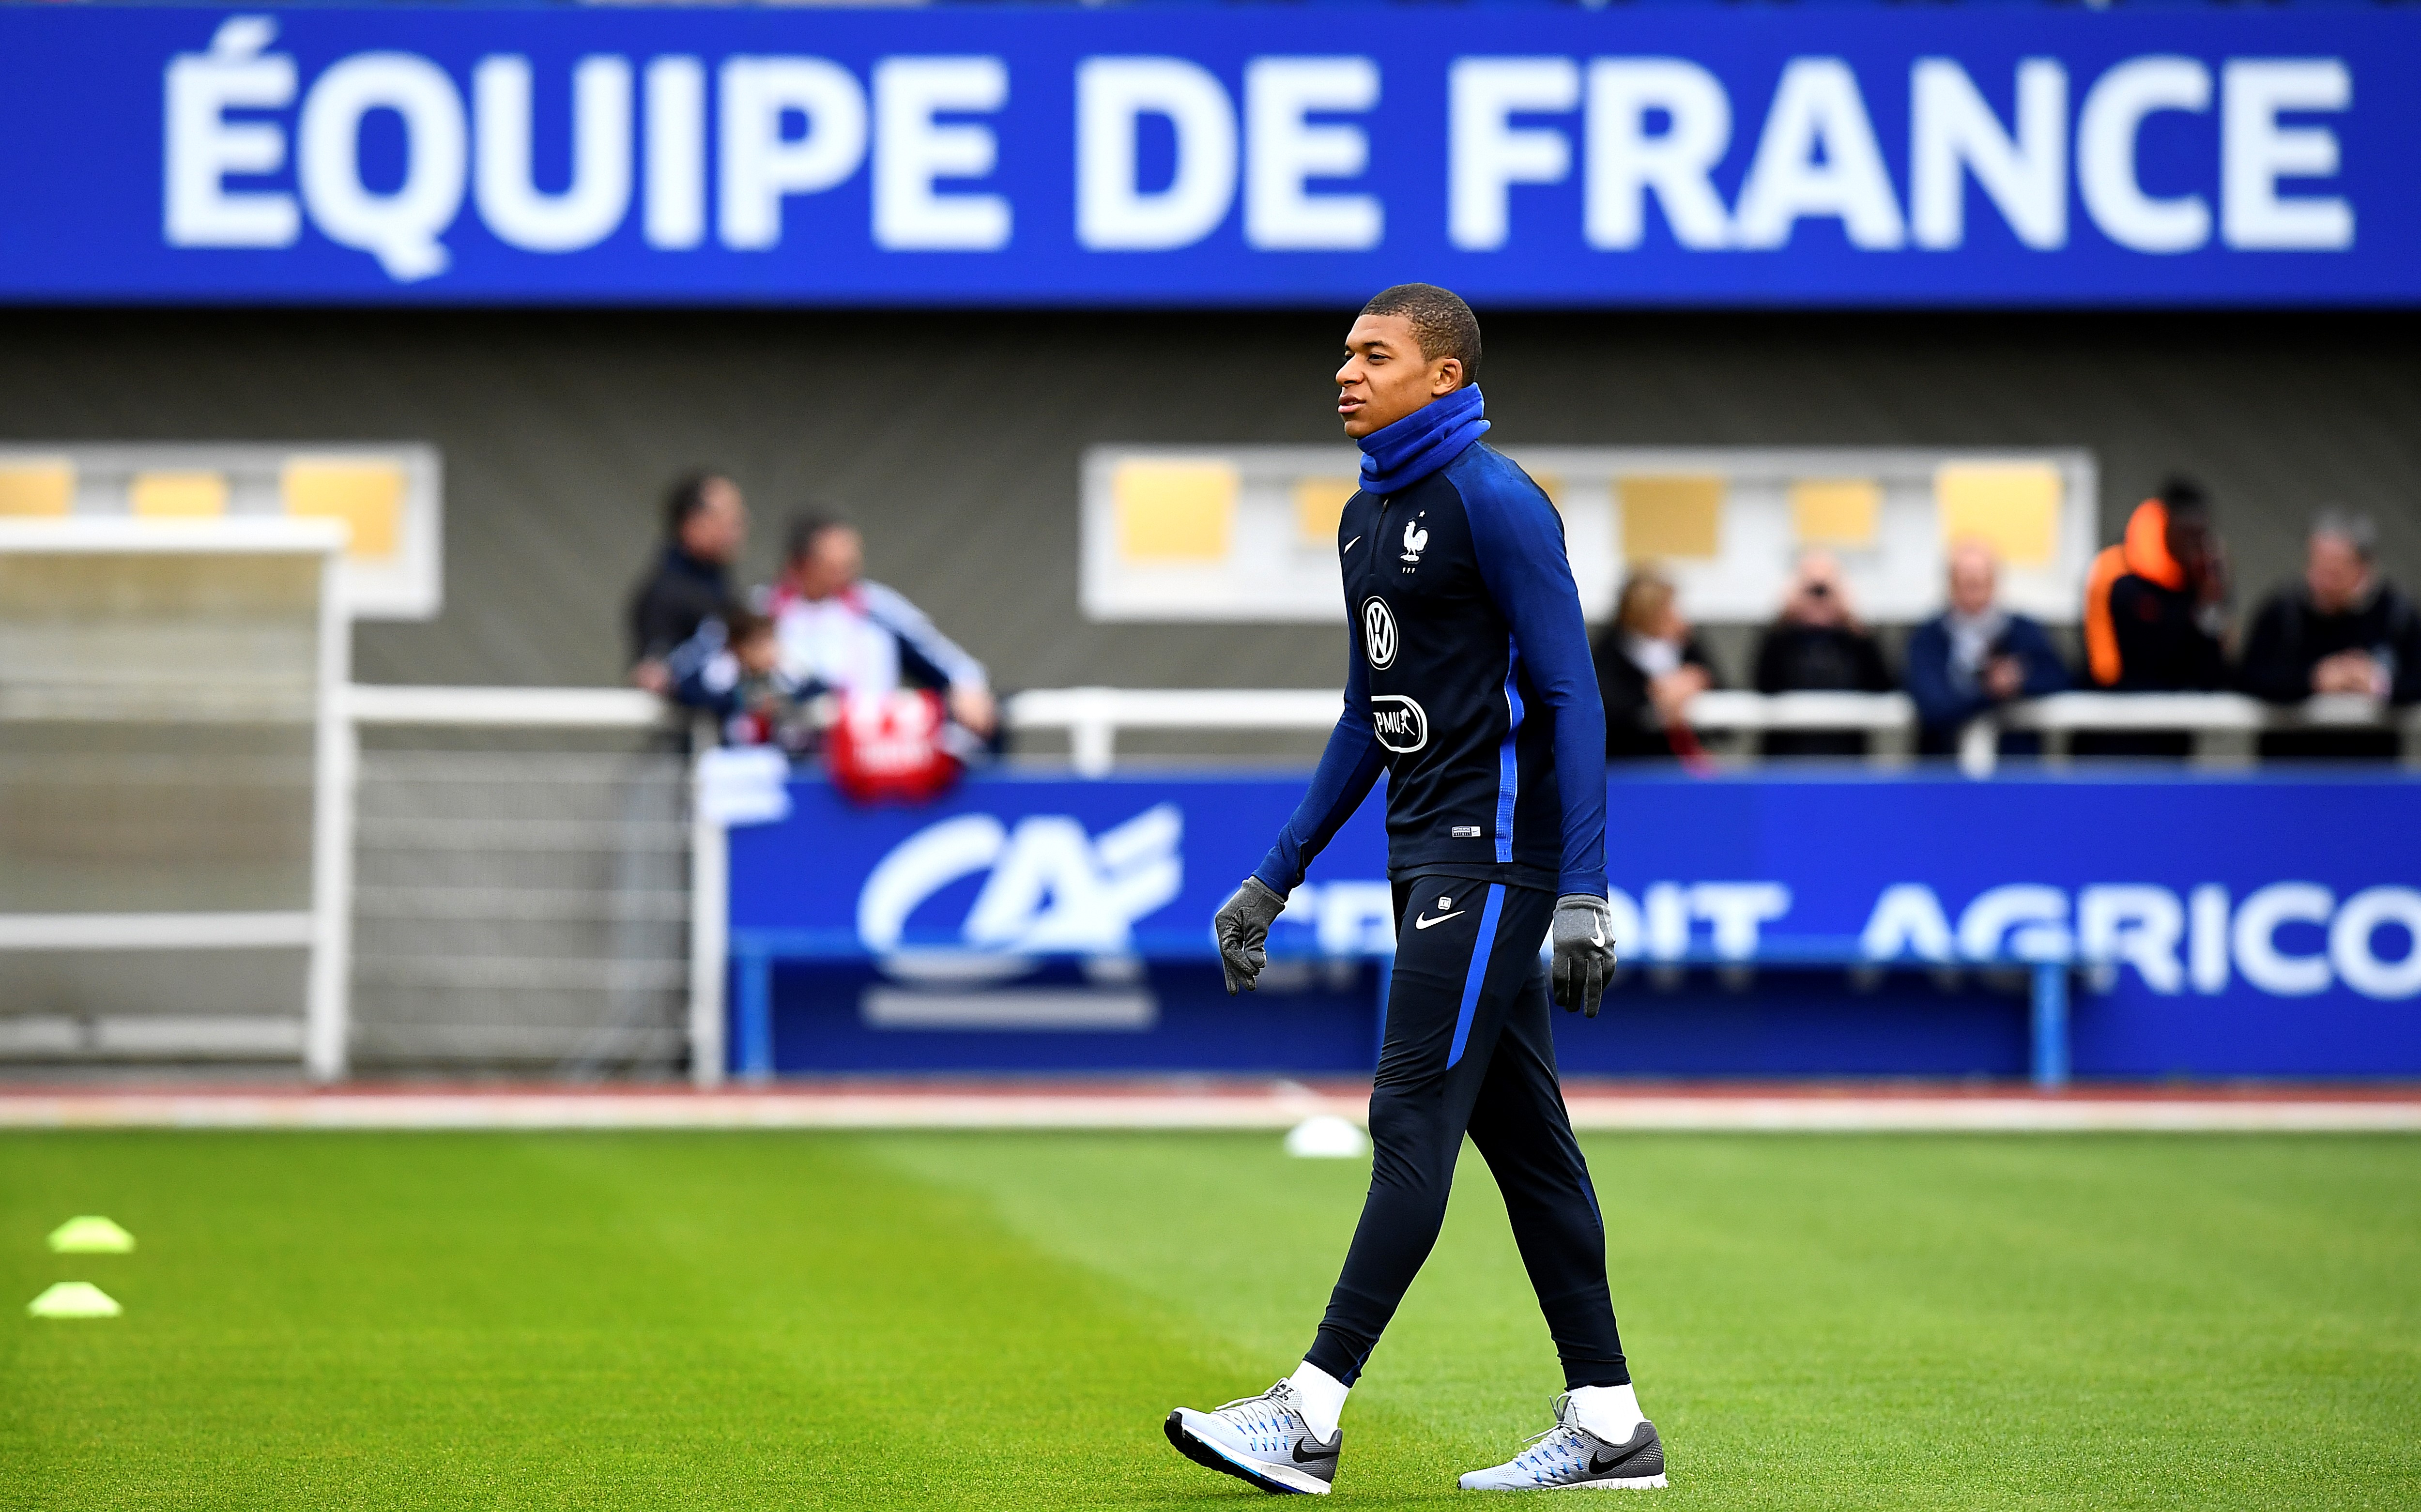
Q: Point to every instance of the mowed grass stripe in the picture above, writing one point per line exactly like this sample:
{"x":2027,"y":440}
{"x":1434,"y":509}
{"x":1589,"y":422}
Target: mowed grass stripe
{"x":1830,"y":1320}
{"x":562,"y":1320}
{"x":977,"y":1320}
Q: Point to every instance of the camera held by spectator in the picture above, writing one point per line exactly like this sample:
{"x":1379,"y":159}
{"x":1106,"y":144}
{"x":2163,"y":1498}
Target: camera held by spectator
{"x":1817,"y":643}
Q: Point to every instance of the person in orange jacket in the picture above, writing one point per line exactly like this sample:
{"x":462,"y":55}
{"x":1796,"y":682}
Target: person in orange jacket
{"x":2155,"y":609}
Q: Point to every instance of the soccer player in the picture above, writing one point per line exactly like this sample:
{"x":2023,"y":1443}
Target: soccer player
{"x":1469,"y":684}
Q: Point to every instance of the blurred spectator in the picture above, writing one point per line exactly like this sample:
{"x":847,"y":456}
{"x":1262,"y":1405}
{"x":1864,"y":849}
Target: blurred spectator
{"x":853,"y":636}
{"x":1817,"y":645}
{"x":1976,"y":656}
{"x":2155,"y":605}
{"x":2343,"y":629}
{"x":731,"y":668}
{"x":705,"y":524}
{"x":1649,"y":666}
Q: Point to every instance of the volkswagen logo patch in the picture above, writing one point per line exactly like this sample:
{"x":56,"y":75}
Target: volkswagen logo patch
{"x":1378,"y":631}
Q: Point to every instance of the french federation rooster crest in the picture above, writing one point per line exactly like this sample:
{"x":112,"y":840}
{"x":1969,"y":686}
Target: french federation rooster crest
{"x":1416,"y":540}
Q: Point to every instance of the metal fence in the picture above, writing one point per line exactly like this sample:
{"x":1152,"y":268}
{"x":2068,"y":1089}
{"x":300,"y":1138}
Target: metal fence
{"x":531,"y":892}
{"x":520,"y":883}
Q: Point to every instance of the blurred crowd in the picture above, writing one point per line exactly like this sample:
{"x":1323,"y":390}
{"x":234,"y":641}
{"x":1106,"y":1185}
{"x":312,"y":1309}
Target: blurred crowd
{"x":2156,"y":620}
{"x":821,"y":662}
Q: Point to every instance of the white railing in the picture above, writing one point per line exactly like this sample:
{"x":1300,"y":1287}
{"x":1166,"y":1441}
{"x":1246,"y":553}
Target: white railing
{"x":2222,"y":723}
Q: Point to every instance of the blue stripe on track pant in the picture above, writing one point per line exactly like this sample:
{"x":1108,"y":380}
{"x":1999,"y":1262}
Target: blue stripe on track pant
{"x":1470,"y":1049}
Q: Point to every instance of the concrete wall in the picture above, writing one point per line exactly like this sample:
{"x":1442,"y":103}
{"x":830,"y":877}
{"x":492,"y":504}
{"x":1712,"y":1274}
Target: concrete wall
{"x":955,"y":439}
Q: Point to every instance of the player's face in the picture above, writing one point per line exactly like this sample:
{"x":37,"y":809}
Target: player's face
{"x":1385,"y":377}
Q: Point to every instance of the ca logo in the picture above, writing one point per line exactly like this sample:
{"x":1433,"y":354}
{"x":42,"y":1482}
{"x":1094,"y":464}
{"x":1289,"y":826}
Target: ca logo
{"x":1377,"y":632}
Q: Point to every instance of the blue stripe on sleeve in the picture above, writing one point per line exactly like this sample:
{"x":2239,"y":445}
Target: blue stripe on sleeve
{"x":1519,"y":539}
{"x":1508,"y":757}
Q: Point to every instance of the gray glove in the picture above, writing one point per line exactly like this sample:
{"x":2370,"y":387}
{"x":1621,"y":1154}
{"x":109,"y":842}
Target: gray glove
{"x":1240,"y":926}
{"x":1584,"y":951}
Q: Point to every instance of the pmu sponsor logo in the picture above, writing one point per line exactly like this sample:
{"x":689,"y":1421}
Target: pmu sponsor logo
{"x":1402,"y":725}
{"x":2286,"y":939}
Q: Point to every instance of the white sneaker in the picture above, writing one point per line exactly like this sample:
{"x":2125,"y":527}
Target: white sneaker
{"x":1569,"y":1458}
{"x":1259,"y":1438}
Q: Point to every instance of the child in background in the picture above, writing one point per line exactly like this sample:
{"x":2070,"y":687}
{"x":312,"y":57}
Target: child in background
{"x":732,"y":670}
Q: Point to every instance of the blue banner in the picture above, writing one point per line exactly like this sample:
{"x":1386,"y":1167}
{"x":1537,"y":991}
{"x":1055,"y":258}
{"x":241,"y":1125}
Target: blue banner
{"x":1255,"y":156}
{"x":2229,"y":926}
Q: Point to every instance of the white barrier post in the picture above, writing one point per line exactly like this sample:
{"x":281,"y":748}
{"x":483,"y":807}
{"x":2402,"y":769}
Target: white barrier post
{"x":710,"y":923}
{"x":326,"y":1016}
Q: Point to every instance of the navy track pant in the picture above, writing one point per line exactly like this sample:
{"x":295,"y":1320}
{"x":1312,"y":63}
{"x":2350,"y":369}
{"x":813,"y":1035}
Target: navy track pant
{"x":1468,"y":1049}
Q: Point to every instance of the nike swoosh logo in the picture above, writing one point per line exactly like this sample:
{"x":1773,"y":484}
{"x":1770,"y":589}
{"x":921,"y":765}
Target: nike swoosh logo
{"x":1597,"y":933}
{"x":1598,"y":1466}
{"x":1302,"y":1459}
{"x":1348,"y":545}
{"x":1424,"y":921}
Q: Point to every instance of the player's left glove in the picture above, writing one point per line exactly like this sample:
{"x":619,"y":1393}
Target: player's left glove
{"x":1584,"y":951}
{"x":1241,"y":927}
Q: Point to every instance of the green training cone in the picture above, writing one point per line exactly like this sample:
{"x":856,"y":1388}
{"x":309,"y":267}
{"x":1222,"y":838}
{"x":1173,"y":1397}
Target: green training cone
{"x":90,"y":1236}
{"x":73,"y":1299}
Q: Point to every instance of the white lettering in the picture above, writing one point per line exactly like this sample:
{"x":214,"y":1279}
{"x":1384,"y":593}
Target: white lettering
{"x":509,"y":200}
{"x":2257,"y":921}
{"x":1622,"y":915}
{"x":2133,"y":925}
{"x":2034,"y":918}
{"x":1816,"y":109}
{"x":761,"y":164}
{"x":1625,"y":162}
{"x":1113,"y":213}
{"x":1737,"y":911}
{"x":1488,"y":154}
{"x":2256,"y":153}
{"x":1283,"y":149}
{"x":2350,"y":942}
{"x":1668,"y":921}
{"x":2106,"y":128}
{"x":400,"y":229}
{"x":1907,"y":920}
{"x":1952,"y":132}
{"x":2206,"y":938}
{"x":912,"y":149}
{"x":203,"y":147}
{"x":675,"y":216}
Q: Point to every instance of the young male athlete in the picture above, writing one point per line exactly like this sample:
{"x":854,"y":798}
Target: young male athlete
{"x":1470,"y":685}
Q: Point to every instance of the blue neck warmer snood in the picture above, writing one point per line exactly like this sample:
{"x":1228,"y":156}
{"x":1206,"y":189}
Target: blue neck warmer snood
{"x":1396,"y":457}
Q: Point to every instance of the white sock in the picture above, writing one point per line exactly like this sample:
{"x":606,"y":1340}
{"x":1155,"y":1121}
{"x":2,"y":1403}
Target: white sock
{"x":1611,"y":1413}
{"x":1324,"y":1399}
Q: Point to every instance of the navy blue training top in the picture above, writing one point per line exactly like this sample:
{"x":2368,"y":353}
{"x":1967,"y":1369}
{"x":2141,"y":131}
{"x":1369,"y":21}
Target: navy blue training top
{"x":1469,"y":684}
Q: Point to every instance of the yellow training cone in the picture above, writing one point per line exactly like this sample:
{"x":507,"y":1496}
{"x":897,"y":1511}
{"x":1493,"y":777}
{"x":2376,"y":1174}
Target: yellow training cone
{"x":90,"y":1236}
{"x":73,"y":1299}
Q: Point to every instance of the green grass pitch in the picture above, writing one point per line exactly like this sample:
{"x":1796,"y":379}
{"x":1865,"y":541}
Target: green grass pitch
{"x":971,"y":1321}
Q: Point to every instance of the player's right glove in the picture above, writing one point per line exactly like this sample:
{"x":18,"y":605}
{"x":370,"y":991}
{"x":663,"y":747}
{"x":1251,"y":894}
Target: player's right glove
{"x":1241,"y":927}
{"x":1584,"y":951}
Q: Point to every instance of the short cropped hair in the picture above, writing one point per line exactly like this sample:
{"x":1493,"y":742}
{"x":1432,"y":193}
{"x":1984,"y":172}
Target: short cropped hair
{"x":2355,"y":530}
{"x":805,"y":529}
{"x":1441,"y":323}
{"x":2184,"y":496}
{"x":687,"y":497}
{"x":742,"y":623}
